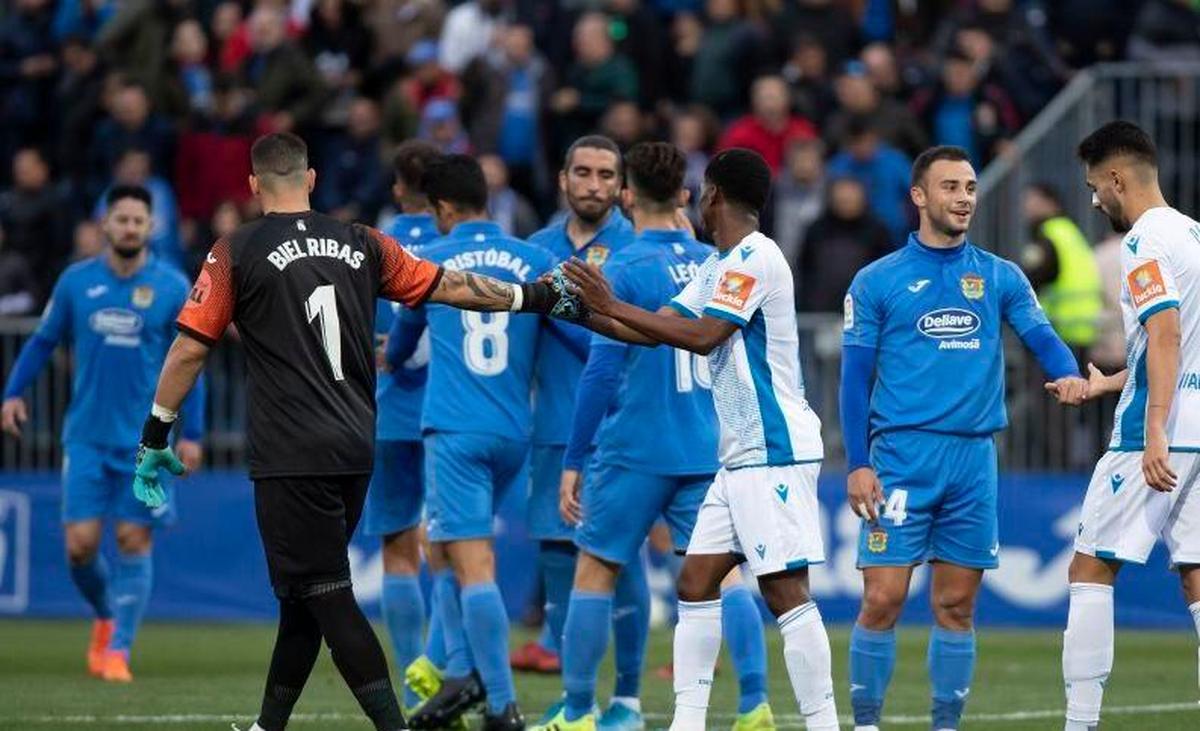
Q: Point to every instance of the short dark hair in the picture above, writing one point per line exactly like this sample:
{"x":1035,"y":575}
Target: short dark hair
{"x":1118,"y":138}
{"x":281,"y":154}
{"x":411,"y":160}
{"x":121,"y":192}
{"x":592,"y":142}
{"x":742,"y":176}
{"x":656,"y":170}
{"x":926,"y":160}
{"x":456,"y":179}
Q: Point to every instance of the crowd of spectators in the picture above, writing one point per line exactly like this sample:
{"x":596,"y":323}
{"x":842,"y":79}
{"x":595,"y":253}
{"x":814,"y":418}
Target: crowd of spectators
{"x":838,"y":95}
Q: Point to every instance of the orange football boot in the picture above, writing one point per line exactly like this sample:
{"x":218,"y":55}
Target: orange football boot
{"x":102,"y":630}
{"x":116,"y":667}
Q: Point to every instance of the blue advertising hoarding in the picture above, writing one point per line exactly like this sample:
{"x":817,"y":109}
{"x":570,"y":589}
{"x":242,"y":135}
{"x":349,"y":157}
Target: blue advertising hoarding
{"x":210,"y":566}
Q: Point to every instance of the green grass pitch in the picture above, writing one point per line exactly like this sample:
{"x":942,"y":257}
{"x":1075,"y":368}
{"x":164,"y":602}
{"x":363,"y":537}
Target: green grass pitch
{"x":202,"y":677}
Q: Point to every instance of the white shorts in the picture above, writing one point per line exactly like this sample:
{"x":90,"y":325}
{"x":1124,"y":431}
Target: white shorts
{"x":770,"y":515}
{"x":1122,"y":517}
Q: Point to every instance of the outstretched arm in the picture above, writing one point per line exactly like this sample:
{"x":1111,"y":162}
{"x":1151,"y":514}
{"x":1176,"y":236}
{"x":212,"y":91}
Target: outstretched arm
{"x":698,"y":335}
{"x":182,"y":368}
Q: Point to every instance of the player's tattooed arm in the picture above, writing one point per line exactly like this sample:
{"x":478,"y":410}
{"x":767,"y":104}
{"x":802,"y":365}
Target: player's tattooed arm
{"x":479,"y":292}
{"x":472,"y":291}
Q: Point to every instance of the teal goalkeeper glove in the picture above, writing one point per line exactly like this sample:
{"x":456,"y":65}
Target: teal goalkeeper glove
{"x":147,"y":485}
{"x":154,"y":454}
{"x":568,"y":307}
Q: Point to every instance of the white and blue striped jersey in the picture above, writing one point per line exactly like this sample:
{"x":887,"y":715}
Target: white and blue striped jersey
{"x":757,"y":385}
{"x":1160,"y":266}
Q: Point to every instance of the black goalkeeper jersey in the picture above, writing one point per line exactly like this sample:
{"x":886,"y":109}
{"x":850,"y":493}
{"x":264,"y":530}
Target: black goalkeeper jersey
{"x":301,"y":290}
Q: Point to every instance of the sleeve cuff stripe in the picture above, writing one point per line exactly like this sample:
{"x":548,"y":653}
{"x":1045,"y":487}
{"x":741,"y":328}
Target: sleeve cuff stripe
{"x":196,"y":334}
{"x":1164,"y":305}
{"x":727,"y":316}
{"x":681,"y":309}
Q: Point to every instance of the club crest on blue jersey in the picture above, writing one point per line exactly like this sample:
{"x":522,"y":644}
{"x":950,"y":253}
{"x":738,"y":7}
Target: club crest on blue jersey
{"x":143,"y":297}
{"x":972,"y":286}
{"x":877,"y":540}
{"x":597,"y":255}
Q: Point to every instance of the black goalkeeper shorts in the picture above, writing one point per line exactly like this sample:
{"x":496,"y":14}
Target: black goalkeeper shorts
{"x":306,"y":524}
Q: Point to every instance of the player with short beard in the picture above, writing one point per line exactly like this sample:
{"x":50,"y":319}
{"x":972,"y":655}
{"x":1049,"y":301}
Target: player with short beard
{"x":118,"y":311}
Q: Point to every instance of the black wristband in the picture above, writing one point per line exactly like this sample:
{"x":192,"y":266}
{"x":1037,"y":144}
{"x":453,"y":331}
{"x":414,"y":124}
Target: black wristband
{"x":538,"y":297}
{"x":156,"y":432}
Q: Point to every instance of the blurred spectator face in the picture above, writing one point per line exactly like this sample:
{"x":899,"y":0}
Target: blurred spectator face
{"x":623,"y":123}
{"x":225,"y":219}
{"x":362,"y":121}
{"x":946,"y":196}
{"x":769,"y":99}
{"x":958,"y":76}
{"x":864,"y":144}
{"x":226,"y":19}
{"x":31,"y":7}
{"x":127,"y":226}
{"x":856,"y":93}
{"x":330,"y":12}
{"x":688,"y":32}
{"x":592,"y":43}
{"x":881,"y":66}
{"x":518,"y":44}
{"x":721,"y":11}
{"x":806,"y":161}
{"x":847,"y":199}
{"x":1037,"y":206}
{"x":132,"y":168}
{"x":30,"y":171}
{"x":1001,"y":6}
{"x":89,"y":240}
{"x":687,"y":133}
{"x":591,"y":182}
{"x":189,"y":47}
{"x":811,"y":59}
{"x":976,"y":43}
{"x":268,"y":29}
{"x":78,"y":58}
{"x":131,"y":107}
{"x":495,"y":172}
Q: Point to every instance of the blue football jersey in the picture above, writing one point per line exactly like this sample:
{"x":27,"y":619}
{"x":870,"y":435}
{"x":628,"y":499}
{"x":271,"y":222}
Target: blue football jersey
{"x":120,"y":329}
{"x":934,"y":318}
{"x":663,"y":420}
{"x":558,"y":367}
{"x":398,"y":394}
{"x":481,"y":363}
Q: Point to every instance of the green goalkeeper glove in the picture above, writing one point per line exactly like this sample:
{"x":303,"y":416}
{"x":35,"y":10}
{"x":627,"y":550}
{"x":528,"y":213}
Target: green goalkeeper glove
{"x":154,"y":454}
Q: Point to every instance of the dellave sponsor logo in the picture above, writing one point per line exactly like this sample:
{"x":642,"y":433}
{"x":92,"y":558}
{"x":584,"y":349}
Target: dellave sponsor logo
{"x":950,"y":322}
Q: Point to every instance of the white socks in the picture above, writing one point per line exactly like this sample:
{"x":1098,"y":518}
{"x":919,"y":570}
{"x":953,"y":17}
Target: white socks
{"x":806,"y":652}
{"x":697,"y":644}
{"x":1087,"y":653}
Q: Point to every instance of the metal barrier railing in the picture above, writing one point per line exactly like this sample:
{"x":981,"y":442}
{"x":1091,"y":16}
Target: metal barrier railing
{"x":1042,"y":435}
{"x":1163,"y":98}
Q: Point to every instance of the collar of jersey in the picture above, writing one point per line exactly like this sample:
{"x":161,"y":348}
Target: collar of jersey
{"x":664,"y":235}
{"x":470,"y":228}
{"x":937,"y":253}
{"x":424,"y":220}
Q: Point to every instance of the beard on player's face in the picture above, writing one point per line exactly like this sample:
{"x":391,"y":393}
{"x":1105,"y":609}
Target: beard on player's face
{"x":950,"y":220}
{"x":591,"y":208}
{"x":129,"y":247}
{"x":1113,"y":211}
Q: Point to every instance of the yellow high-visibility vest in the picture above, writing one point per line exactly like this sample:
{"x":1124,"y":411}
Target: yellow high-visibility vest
{"x":1073,"y":301}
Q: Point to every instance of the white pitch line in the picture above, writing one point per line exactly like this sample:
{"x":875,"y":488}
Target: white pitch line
{"x":785,"y":720}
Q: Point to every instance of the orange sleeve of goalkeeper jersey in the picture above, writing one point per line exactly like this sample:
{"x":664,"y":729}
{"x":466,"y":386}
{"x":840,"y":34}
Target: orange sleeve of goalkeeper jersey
{"x":209,"y":307}
{"x":403,"y":277}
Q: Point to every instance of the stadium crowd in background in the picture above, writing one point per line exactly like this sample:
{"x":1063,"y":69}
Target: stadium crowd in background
{"x":169,"y":94}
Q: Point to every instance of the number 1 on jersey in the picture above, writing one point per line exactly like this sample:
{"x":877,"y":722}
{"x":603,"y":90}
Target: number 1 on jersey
{"x":322,"y":303}
{"x":691,"y":370}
